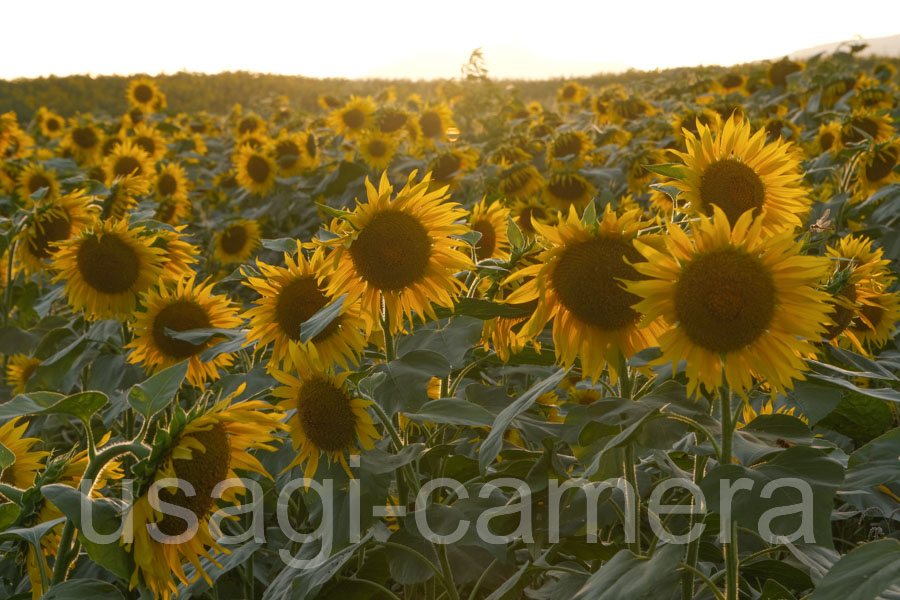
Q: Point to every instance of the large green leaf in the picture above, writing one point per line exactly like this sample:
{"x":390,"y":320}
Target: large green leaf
{"x":453,"y":341}
{"x":862,"y":574}
{"x":317,"y":323}
{"x":491,"y":445}
{"x":876,"y":463}
{"x":82,"y":405}
{"x":79,"y":589}
{"x":405,"y":380}
{"x":452,"y":411}
{"x":635,"y":578}
{"x":151,"y":396}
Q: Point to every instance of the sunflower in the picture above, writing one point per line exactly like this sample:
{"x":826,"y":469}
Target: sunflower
{"x":123,"y":195}
{"x":508,"y":154}
{"x":355,"y":117}
{"x":737,"y":172}
{"x":209,"y":449}
{"x":19,"y":370}
{"x":172,"y":211}
{"x":879,"y":127}
{"x":731,"y":82}
{"x":737,"y":302}
{"x":329,"y":418}
{"x":688,"y":119}
{"x":447,"y":167}
{"x":182,"y":307}
{"x":564,"y":189}
{"x":571,"y":92}
{"x":377,"y":149}
{"x":180,"y":255}
{"x":128,"y":160}
{"x":14,"y":143}
{"x":505,"y":333}
{"x":52,"y":125}
{"x":399,"y":252}
{"x":69,"y":473}
{"x":867,"y":274}
{"x":434,"y":121}
{"x":27,"y":461}
{"x":876,"y":320}
{"x":328,"y":102}
{"x":34,"y":177}
{"x":52,"y":222}
{"x":253,"y":140}
{"x":392,"y":120}
{"x":290,"y":153}
{"x":105,"y":269}
{"x":778,"y":72}
{"x":291,"y":295}
{"x":142,"y":93}
{"x":150,"y":140}
{"x":249,"y":124}
{"x":827,"y":137}
{"x":776,"y":128}
{"x":490,"y":220}
{"x":527,"y":213}
{"x":629,"y":109}
{"x":520,"y":182}
{"x":877,"y":168}
{"x":255,"y":169}
{"x":171,"y":183}
{"x":568,"y":148}
{"x":237,"y":242}
{"x":577,"y":283}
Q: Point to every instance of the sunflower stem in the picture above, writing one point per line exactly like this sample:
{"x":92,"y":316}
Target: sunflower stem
{"x":63,"y":555}
{"x":390,"y":347}
{"x":448,"y":572}
{"x":409,"y":474}
{"x":730,"y":548}
{"x":693,"y":550}
{"x":7,"y":291}
{"x":632,"y":497}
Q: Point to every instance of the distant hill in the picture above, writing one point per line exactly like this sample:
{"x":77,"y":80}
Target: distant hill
{"x":883,"y":46}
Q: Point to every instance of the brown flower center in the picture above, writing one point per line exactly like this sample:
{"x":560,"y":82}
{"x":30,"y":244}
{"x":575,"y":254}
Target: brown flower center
{"x":234,"y":239}
{"x":732,"y":186}
{"x":724,"y":300}
{"x":258,"y":168}
{"x":488,"y":242}
{"x":180,"y":315}
{"x":431,"y":124}
{"x":108,"y":264}
{"x":143,"y":93}
{"x":297,"y":302}
{"x":882,"y":164}
{"x":167,"y":184}
{"x":127,"y":165}
{"x":353,"y":118}
{"x":51,"y":228}
{"x":326,"y":416}
{"x":392,"y":251}
{"x":84,"y":137}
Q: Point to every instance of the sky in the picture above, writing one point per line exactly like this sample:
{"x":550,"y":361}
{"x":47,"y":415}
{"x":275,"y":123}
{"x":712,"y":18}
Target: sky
{"x":419,"y":39}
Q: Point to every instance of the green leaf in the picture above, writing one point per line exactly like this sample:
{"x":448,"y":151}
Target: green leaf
{"x":876,"y":463}
{"x":105,"y":519}
{"x":9,"y":512}
{"x":32,"y":535}
{"x":589,"y":217}
{"x":628,"y":576}
{"x":470,"y":237}
{"x":7,"y":458}
{"x":880,"y":393}
{"x":79,"y":589}
{"x":288,"y":245}
{"x":863,"y":574}
{"x":514,"y":234}
{"x":815,"y":400}
{"x":510,"y":584}
{"x":490,"y":447}
{"x":671,"y":170}
{"x":82,"y":405}
{"x":859,"y":417}
{"x":773,"y":590}
{"x":406,"y":379}
{"x":317,"y":323}
{"x":151,"y":396}
{"x":198,"y":337}
{"x":452,"y":411}
{"x":453,"y":341}
{"x":236,"y":558}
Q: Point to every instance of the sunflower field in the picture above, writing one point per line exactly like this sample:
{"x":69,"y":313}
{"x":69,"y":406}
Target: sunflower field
{"x":604,"y":340}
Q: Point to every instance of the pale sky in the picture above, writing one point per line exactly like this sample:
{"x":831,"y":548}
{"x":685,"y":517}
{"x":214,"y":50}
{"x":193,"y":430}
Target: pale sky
{"x":409,"y":38}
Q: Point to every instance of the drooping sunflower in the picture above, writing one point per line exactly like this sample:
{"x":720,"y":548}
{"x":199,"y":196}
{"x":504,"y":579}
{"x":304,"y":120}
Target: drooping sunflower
{"x":526,"y":213}
{"x":435,"y":120}
{"x":254,"y":140}
{"x":28,"y":462}
{"x":875,"y":323}
{"x":568,"y":148}
{"x":738,"y":303}
{"x":391,"y":120}
{"x":447,"y":167}
{"x":182,"y":307}
{"x":203,"y":449}
{"x":777,"y":127}
{"x":778,"y":71}
{"x":180,"y":255}
{"x":737,"y":172}
{"x":876,"y":168}
{"x":865,"y":272}
{"x":171,"y":183}
{"x":106,"y":268}
{"x":171,"y":211}
{"x":52,"y":125}
{"x":142,"y":93}
{"x":329,"y":418}
{"x":876,"y":125}
{"x":34,"y":177}
{"x":629,"y":109}
{"x":506,"y":334}
{"x":490,"y":220}
{"x":731,"y":82}
{"x":123,"y":195}
{"x":128,"y":160}
{"x":19,"y":370}
{"x":688,"y":118}
{"x":255,"y":169}
{"x":521,"y":181}
{"x":149,"y":139}
{"x":827,"y":137}
{"x":291,"y":295}
{"x":571,"y":92}
{"x":564,"y":189}
{"x":290,"y":153}
{"x":377,"y":149}
{"x":237,"y":242}
{"x":578,"y":283}
{"x":399,"y":251}
{"x":354,"y":117}
{"x":52,"y":222}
